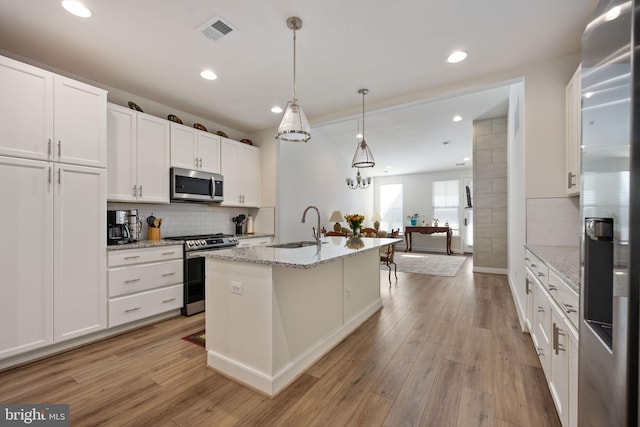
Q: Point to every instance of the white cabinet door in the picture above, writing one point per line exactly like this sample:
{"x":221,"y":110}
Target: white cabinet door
{"x":209,"y":152}
{"x":80,"y":123}
{"x":231,"y":171}
{"x":121,"y":154}
{"x":241,"y":171}
{"x":559,"y":380}
{"x":573,"y":135}
{"x":152,"y":159}
{"x":26,"y":110}
{"x":80,"y":255}
{"x":184,"y":143}
{"x":250,"y":175}
{"x":26,"y":256}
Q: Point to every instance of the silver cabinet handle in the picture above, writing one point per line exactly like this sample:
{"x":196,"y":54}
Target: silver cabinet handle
{"x":59,"y":148}
{"x":129,"y":310}
{"x":540,"y":274}
{"x":533,"y":265}
{"x":131,"y":280}
{"x":169,"y":253}
{"x":49,"y":148}
{"x":49,"y":179}
{"x":540,"y":309}
{"x":569,"y":308}
{"x":568,"y":179}
{"x":200,"y":161}
{"x":132,"y":257}
{"x":539,"y":351}
{"x":526,"y":286}
{"x":552,"y":288}
{"x":133,"y":193}
{"x":140,"y":187}
{"x":59,"y":176}
{"x":554,"y":340}
{"x":168,"y":274}
{"x":526,"y":259}
{"x":164,"y":301}
{"x":195,"y":161}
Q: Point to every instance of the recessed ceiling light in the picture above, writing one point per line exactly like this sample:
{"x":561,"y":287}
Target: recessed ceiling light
{"x":466,"y":159}
{"x":457,"y":56}
{"x":457,"y":118}
{"x":208,"y":75}
{"x":276,"y":109}
{"x":588,"y":94}
{"x":76,"y":8}
{"x":388,"y":167}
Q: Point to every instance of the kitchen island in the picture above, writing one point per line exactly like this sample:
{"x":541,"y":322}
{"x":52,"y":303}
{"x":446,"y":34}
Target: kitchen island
{"x":271,"y":312}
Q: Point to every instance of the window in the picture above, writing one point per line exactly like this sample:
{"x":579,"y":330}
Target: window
{"x":446,"y":202}
{"x":391,"y":206}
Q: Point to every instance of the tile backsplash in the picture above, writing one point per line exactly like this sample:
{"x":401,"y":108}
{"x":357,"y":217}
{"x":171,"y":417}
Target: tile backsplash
{"x":553,"y":221}
{"x":180,"y":219}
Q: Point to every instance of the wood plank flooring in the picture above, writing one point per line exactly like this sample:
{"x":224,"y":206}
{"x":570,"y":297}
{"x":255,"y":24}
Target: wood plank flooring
{"x":443,"y":351}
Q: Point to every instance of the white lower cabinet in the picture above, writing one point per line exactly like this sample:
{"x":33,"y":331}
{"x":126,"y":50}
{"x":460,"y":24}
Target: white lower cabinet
{"x":255,"y":241}
{"x":52,"y":256}
{"x":144,"y":282}
{"x":554,"y":335}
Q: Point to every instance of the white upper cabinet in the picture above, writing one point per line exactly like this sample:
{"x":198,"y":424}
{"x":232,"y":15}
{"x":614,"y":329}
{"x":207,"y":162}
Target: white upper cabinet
{"x":194,"y":149}
{"x":241,"y":172}
{"x":138,"y":152}
{"x":44,"y":116}
{"x":80,"y":123}
{"x":573,"y":133}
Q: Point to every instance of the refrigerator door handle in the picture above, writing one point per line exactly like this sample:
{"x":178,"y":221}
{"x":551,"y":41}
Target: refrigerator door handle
{"x":599,"y":228}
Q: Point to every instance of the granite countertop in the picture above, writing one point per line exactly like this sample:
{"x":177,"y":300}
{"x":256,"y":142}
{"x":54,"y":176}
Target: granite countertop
{"x":145,"y":244}
{"x":563,"y":260}
{"x":333,"y":248}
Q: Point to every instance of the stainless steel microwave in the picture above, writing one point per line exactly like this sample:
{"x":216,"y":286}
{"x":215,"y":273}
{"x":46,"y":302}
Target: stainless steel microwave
{"x":196,"y":186}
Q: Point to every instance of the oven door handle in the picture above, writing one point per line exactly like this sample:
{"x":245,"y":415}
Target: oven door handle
{"x":198,"y":254}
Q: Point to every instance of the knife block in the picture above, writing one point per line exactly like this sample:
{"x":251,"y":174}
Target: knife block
{"x":154,"y":233}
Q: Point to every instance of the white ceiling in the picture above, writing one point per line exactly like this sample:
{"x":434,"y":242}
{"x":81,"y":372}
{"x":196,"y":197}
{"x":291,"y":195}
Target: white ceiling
{"x":150,"y":48}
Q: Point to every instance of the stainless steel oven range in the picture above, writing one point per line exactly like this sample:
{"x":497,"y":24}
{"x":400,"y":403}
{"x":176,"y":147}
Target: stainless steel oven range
{"x":195,"y":249}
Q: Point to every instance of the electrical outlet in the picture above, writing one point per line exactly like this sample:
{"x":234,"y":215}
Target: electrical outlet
{"x":349,"y":293}
{"x":236,"y":288}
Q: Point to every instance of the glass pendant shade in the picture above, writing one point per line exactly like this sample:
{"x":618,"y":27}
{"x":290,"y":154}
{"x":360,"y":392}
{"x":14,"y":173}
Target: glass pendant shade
{"x":294,"y":126}
{"x":363,"y":157}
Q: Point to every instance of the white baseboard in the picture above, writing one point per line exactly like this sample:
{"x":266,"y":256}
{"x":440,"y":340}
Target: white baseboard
{"x":516,"y":302}
{"x":271,"y":385}
{"x":490,"y":270}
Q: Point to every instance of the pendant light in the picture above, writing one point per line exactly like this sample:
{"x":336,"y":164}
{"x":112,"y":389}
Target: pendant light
{"x":294,"y":126}
{"x":360,"y":182}
{"x":363,"y":157}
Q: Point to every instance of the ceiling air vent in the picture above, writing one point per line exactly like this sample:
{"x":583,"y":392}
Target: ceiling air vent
{"x":216,"y":28}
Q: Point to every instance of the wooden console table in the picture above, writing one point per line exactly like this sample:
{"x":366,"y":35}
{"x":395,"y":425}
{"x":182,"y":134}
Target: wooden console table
{"x":426,"y":230}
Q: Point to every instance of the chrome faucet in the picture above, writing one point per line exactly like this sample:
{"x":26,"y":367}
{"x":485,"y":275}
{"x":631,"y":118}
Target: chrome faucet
{"x":316,"y":233}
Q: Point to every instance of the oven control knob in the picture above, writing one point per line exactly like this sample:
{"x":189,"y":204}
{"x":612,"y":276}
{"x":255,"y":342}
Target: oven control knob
{"x":190,"y":243}
{"x":203,"y":242}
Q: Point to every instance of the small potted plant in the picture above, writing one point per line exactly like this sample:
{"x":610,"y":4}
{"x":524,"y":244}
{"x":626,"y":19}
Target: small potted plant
{"x":413,"y":219}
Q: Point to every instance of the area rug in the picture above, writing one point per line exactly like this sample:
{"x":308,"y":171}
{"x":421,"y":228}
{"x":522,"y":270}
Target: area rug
{"x":198,"y":338}
{"x":423,"y":263}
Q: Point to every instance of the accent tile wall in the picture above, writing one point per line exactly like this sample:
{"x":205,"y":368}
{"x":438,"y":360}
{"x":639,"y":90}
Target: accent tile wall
{"x":490,"y":193}
{"x":553,"y":221}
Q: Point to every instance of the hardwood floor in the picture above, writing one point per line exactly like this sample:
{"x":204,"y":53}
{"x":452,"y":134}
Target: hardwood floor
{"x":443,"y":351}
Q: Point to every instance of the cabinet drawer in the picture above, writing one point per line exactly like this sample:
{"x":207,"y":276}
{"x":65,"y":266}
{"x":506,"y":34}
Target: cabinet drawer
{"x":565,"y":296}
{"x":137,"y":278}
{"x":138,"y":306}
{"x":143,"y":255}
{"x":255,"y":242}
{"x":542,"y":327}
{"x":539,"y":269}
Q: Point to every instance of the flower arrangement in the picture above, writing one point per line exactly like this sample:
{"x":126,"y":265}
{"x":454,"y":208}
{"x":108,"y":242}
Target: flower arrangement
{"x":354,"y":221}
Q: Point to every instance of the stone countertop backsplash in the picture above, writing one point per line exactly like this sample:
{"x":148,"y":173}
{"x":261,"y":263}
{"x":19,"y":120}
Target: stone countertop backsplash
{"x":562,"y":260}
{"x":144,"y":244}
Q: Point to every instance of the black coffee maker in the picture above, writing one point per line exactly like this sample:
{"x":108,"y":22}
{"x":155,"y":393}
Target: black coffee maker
{"x":117,"y":228}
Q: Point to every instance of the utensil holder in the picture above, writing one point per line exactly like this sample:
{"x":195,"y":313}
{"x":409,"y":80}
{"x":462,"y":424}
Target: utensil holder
{"x":154,"y":233}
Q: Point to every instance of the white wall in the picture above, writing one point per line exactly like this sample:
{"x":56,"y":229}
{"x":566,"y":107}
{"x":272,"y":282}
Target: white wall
{"x":417,"y":198}
{"x":516,"y":224}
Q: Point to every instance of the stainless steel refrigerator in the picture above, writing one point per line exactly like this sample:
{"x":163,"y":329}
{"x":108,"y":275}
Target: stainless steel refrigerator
{"x":610,"y":211}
